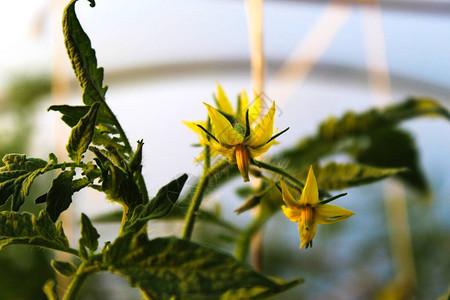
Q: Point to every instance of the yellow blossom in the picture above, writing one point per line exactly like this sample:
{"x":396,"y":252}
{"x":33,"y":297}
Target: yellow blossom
{"x":224,"y":107}
{"x":233,"y":133}
{"x":240,"y":142}
{"x":308,"y":211}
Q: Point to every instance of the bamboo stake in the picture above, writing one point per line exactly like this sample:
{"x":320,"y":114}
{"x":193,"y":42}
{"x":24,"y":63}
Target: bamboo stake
{"x":254,"y":10}
{"x":394,"y":192}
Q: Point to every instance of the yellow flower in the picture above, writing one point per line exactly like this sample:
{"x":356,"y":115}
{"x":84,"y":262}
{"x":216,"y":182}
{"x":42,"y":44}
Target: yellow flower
{"x":308,"y":211}
{"x":224,"y":106}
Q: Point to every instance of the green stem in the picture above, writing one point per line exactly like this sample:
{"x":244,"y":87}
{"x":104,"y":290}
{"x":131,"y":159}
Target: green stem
{"x":75,"y":285}
{"x":300,"y":185}
{"x":278,"y":171}
{"x":143,"y":188}
{"x":243,"y":242}
{"x":124,"y":219}
{"x":197,"y":198}
{"x":119,"y":128}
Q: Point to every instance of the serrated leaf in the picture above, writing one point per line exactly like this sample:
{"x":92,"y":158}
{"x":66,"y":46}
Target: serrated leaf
{"x":337,"y":176}
{"x":135,"y":164}
{"x":89,"y":235}
{"x":79,"y":184}
{"x":82,"y":133}
{"x":64,"y":268}
{"x":171,"y":266}
{"x":8,"y":175}
{"x":6,"y":190}
{"x":261,"y":293}
{"x":158,"y":207}
{"x":401,"y":152}
{"x":24,"y":228}
{"x":15,"y":162}
{"x":71,"y":115}
{"x":335,"y":135}
{"x":17,"y":176}
{"x":83,"y":58}
{"x":59,"y":196}
{"x":117,"y":184}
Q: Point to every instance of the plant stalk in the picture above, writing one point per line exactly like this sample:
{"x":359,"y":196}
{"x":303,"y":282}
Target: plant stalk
{"x":75,"y":285}
{"x":197,"y":198}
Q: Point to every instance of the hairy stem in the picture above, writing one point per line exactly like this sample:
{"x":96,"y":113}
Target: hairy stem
{"x":75,"y":285}
{"x":278,"y":171}
{"x":197,"y":198}
{"x":243,"y":242}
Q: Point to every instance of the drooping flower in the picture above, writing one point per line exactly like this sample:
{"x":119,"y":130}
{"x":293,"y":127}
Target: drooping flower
{"x":224,"y":106}
{"x":309,"y":211}
{"x":241,"y":144}
{"x":233,"y":133}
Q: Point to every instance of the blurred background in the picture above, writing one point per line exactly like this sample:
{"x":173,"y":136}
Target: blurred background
{"x":162,"y":59}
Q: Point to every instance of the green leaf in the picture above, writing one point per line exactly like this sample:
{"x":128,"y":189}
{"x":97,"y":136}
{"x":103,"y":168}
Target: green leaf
{"x":83,"y":58}
{"x":49,"y":289}
{"x":24,"y":228}
{"x":158,"y":207}
{"x":178,"y":213}
{"x":89,"y":235}
{"x":135,"y":164}
{"x":20,"y":162}
{"x":79,"y":184}
{"x":64,"y":268}
{"x":6,"y":190}
{"x":81,"y":135}
{"x":259,"y":292}
{"x":338,"y":135}
{"x":17,"y":176}
{"x":171,"y":266}
{"x":337,"y":176}
{"x":118,"y":184}
{"x":71,"y":115}
{"x":59,"y":196}
{"x":400,"y":152}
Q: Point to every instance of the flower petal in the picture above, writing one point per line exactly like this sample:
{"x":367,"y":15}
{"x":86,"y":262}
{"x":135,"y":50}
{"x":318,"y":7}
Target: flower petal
{"x":257,"y":151}
{"x":287,"y":197}
{"x":263,"y":130}
{"x":223,"y":104}
{"x":291,"y":214}
{"x":307,"y":233}
{"x":243,"y":161}
{"x":328,"y":214}
{"x":242,"y":107}
{"x":310,"y":193}
{"x":254,"y":110}
{"x":193,"y":126}
{"x":222,"y":128}
{"x":221,"y":149}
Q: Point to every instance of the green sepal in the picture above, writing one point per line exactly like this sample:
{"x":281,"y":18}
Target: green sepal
{"x":172,"y":266}
{"x":64,"y":268}
{"x":59,"y":196}
{"x":81,"y":134}
{"x":89,"y":235}
{"x":157,"y":207}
